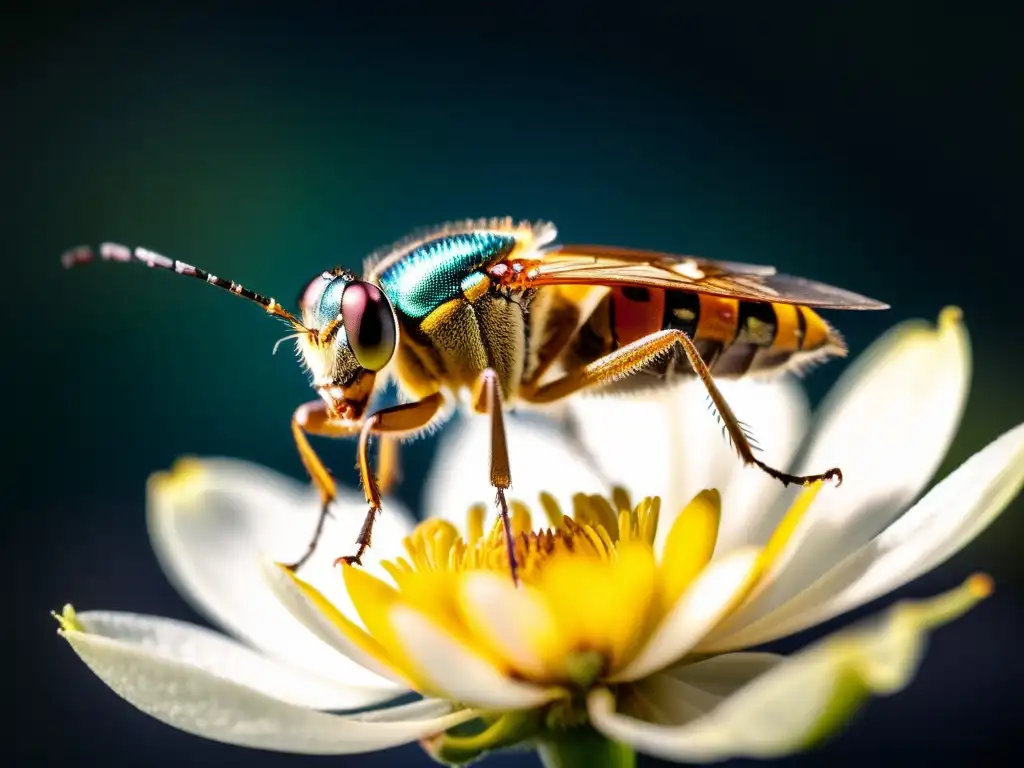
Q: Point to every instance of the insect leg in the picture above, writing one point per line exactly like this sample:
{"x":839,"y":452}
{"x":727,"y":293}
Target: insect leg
{"x":634,"y":356}
{"x":487,"y":399}
{"x":389,"y":423}
{"x":313,"y":419}
{"x":389,"y":466}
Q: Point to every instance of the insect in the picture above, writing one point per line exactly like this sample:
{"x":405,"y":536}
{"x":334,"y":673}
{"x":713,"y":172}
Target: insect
{"x":497,"y":311}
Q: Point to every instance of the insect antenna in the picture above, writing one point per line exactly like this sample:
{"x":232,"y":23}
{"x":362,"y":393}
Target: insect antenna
{"x":122,"y":253}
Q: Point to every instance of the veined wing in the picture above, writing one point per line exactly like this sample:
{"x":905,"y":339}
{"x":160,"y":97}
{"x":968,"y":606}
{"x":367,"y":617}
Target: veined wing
{"x":612,"y":266}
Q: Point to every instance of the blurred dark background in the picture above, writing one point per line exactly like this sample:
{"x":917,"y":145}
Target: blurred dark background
{"x":876,"y":149}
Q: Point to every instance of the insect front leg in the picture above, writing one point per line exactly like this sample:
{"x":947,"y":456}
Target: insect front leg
{"x":389,"y":466}
{"x":389,"y":423}
{"x":639,"y":353}
{"x":314,"y":419}
{"x":487,"y":399}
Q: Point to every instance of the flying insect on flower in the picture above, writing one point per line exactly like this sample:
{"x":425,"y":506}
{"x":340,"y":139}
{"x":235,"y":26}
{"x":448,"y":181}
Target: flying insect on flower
{"x":495,"y":315}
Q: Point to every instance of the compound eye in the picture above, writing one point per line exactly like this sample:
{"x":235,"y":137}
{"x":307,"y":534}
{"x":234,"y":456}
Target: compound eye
{"x":369,"y":324}
{"x":330,"y":301}
{"x":309,"y":298}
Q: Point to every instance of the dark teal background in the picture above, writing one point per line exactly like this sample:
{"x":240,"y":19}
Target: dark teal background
{"x":875,"y":150}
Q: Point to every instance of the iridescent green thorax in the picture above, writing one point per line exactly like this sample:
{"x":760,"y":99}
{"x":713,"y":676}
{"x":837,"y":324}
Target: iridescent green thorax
{"x":433,"y":272}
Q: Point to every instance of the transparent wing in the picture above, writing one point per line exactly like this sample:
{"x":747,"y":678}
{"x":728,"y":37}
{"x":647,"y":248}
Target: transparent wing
{"x":608,"y":266}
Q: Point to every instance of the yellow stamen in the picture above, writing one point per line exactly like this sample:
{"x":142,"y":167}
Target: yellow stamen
{"x":475,"y":523}
{"x":551,"y":510}
{"x":521,"y":520}
{"x":621,"y":498}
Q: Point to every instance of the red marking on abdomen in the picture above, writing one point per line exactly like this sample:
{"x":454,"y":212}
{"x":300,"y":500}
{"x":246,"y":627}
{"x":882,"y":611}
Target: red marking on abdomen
{"x":637,"y":312}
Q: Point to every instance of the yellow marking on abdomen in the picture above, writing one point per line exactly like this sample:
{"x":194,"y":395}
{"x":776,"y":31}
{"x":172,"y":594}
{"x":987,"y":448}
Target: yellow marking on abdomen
{"x":817,"y":331}
{"x":787,"y":335}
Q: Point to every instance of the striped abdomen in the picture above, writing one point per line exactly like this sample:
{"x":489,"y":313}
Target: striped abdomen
{"x":734,"y":337}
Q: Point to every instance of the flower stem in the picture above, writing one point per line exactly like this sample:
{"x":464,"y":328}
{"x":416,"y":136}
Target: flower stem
{"x":584,"y":747}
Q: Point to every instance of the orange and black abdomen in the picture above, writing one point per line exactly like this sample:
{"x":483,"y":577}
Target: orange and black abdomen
{"x":735,"y":337}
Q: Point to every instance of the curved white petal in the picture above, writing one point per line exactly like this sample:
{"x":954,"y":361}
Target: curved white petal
{"x":887,"y":425}
{"x":635,"y":439}
{"x":313,"y":618}
{"x":212,"y":520}
{"x":939,"y":525}
{"x":665,"y":442}
{"x":777,"y":413}
{"x":680,"y":695}
{"x":892,"y":415}
{"x":226,"y":658}
{"x":722,"y":676}
{"x":451,"y":666}
{"x":541,"y":459}
{"x":422,"y":709}
{"x":700,"y":607}
{"x":801,"y":700}
{"x":201,"y":703}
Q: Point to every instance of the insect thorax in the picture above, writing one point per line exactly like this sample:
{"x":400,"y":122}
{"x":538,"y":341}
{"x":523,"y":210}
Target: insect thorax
{"x":455,"y":320}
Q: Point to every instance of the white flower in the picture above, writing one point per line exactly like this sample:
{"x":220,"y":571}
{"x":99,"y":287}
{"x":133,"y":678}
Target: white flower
{"x":633,"y":627}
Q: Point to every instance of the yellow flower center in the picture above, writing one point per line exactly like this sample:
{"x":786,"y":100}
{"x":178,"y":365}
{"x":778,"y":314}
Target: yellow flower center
{"x":591,"y":595}
{"x":596,"y":529}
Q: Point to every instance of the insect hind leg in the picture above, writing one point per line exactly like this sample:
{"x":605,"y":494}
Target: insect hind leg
{"x":633,"y":357}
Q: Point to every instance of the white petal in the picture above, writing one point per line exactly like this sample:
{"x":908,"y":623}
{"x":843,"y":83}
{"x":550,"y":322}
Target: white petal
{"x":698,"y":610}
{"x":887,"y":425}
{"x":541,"y":459}
{"x":639,"y":441}
{"x":777,"y":413}
{"x":801,"y":700}
{"x":423,"y":709}
{"x":949,"y":517}
{"x":667,"y":443}
{"x":212,"y":520}
{"x":313,"y":619}
{"x":451,"y":666}
{"x":891,"y":417}
{"x":722,"y":676}
{"x":199,"y":702}
{"x":682,"y":694}
{"x":223,"y":657}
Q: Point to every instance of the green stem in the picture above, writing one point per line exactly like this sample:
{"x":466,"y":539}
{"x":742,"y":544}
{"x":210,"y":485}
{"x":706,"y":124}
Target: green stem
{"x":584,"y":747}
